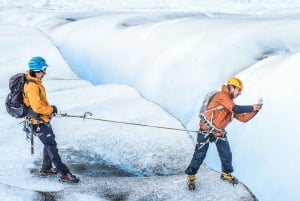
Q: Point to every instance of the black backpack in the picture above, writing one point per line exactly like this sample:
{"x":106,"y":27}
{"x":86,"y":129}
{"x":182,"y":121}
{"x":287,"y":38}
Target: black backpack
{"x":14,"y":101}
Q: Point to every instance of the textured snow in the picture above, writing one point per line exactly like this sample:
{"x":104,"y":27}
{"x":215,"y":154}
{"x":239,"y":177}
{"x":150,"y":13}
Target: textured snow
{"x":170,"y":53}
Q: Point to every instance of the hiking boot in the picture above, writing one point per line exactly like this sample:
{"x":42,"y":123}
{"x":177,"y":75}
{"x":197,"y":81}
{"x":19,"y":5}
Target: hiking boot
{"x":51,"y":171}
{"x":229,"y":177}
{"x":68,"y":178}
{"x":191,"y":182}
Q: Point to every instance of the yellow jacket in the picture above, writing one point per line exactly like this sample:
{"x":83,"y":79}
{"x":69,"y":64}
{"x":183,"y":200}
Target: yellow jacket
{"x":35,"y":97}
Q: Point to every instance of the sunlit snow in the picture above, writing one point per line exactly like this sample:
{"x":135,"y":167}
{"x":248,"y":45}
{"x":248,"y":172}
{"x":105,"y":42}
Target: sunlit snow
{"x":152,"y":63}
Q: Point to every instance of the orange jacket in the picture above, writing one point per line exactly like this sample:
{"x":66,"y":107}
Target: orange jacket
{"x":35,"y":97}
{"x":221,"y":118}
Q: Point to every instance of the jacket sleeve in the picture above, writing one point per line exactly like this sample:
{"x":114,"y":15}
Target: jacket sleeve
{"x":38,"y":105}
{"x":241,"y":113}
{"x":245,"y":117}
{"x":237,"y":109}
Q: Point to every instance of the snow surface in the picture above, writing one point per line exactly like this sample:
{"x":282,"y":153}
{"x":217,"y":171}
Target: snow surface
{"x":171,"y":54}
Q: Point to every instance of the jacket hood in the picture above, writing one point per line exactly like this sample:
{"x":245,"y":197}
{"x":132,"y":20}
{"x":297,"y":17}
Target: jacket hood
{"x":29,"y":77}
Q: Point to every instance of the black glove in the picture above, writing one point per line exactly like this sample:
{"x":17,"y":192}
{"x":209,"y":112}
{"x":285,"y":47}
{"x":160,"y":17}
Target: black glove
{"x":54,"y":110}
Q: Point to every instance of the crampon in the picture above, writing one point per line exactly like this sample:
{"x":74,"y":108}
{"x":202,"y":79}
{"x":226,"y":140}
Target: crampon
{"x":70,"y":178}
{"x":229,"y":177}
{"x":191,"y":182}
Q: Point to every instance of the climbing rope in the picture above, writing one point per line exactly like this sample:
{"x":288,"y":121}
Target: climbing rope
{"x":87,"y":115}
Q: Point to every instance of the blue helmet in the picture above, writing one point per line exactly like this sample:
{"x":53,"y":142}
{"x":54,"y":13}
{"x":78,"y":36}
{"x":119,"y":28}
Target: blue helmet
{"x":37,"y":63}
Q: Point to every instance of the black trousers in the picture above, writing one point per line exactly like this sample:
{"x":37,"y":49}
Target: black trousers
{"x":201,"y":150}
{"x":50,"y":151}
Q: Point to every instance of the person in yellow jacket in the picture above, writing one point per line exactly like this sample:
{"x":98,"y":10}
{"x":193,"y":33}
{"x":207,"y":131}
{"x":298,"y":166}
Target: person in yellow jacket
{"x":35,"y":98}
{"x":220,"y":112}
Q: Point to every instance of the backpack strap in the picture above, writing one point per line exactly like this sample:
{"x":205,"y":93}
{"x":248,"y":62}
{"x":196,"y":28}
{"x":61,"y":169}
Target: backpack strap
{"x":219,"y":107}
{"x":31,"y":114}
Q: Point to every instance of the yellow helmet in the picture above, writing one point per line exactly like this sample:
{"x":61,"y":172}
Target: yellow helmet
{"x":234,"y":81}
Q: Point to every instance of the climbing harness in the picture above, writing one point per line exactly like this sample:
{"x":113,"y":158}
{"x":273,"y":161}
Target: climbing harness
{"x":30,"y":133}
{"x":28,"y":129}
{"x":207,"y":139}
{"x":211,"y":127}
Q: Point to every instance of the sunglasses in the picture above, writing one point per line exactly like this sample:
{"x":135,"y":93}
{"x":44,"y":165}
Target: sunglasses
{"x":41,"y":71}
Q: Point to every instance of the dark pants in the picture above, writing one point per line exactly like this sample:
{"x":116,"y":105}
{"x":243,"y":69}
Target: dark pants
{"x":201,"y":150}
{"x":50,"y":152}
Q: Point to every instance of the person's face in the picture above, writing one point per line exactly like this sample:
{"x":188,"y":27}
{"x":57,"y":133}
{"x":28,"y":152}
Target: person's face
{"x":41,"y":73}
{"x":235,"y":92}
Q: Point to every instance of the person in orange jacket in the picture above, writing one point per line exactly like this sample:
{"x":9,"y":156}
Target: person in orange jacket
{"x":41,"y":112}
{"x":220,"y":111}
